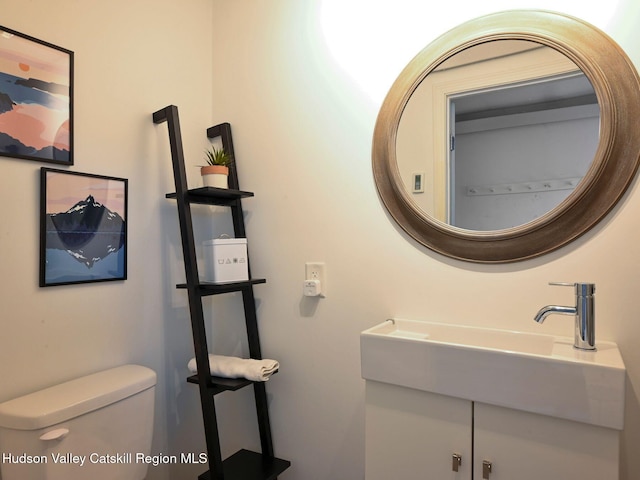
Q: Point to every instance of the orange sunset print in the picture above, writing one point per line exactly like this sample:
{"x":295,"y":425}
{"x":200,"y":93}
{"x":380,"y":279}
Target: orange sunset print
{"x":35,"y":99}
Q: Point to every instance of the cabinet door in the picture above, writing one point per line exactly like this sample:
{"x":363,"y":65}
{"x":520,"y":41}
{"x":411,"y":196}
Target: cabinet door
{"x":413,"y":435}
{"x":526,"y":446}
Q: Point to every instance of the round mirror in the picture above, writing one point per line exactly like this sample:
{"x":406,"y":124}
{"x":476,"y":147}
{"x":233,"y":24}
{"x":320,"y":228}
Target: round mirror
{"x":508,"y":137}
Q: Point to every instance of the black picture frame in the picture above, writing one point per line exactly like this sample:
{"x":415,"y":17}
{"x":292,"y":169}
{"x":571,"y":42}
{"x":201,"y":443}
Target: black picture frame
{"x":36,"y":99}
{"x":83,"y":227}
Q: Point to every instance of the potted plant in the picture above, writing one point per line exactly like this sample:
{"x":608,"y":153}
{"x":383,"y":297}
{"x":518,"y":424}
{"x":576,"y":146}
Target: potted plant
{"x":216,"y":172}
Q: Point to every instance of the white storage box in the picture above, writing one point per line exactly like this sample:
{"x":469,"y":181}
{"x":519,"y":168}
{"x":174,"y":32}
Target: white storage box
{"x":226,"y":260}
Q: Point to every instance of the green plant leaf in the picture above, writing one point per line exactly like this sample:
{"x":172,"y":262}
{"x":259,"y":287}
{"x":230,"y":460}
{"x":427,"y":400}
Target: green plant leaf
{"x":217,"y":156}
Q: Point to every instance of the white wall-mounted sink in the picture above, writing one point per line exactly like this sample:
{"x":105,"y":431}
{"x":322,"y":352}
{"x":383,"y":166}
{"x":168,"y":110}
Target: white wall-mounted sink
{"x":526,"y":371}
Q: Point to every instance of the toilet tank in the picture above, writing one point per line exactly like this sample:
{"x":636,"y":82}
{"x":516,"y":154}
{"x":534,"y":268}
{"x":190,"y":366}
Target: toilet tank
{"x":97,"y":427}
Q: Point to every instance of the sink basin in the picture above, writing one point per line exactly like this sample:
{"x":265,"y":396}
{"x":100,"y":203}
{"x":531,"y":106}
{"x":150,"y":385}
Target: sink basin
{"x":471,"y":336}
{"x":526,"y":371}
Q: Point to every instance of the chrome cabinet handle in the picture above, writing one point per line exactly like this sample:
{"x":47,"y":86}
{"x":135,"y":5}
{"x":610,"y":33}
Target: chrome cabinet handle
{"x":456,"y":461}
{"x":486,"y":469}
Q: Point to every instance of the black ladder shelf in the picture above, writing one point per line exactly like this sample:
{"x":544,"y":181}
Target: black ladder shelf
{"x":244,"y":464}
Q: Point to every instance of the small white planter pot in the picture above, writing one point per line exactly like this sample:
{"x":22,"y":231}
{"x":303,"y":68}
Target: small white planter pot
{"x":215,"y":176}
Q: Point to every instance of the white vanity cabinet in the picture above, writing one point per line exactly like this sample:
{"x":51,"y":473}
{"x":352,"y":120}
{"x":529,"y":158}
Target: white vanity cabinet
{"x":527,"y":446}
{"x":413,"y":435}
{"x":529,"y":405}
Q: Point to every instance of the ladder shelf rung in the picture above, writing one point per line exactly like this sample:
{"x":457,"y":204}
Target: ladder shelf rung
{"x":247,"y":465}
{"x":223,"y":384}
{"x":213,"y":196}
{"x":207,"y":288}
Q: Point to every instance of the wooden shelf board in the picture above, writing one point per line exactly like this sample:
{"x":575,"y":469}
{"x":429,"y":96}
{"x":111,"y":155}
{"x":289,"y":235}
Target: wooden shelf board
{"x":207,"y":288}
{"x":221,"y":384}
{"x":247,"y":465}
{"x":213,"y":196}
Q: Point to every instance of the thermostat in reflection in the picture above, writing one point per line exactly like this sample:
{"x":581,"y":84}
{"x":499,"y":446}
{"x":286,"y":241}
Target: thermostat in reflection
{"x":418,"y":183}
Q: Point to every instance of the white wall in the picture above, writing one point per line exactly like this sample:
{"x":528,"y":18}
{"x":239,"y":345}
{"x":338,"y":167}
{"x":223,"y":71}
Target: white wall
{"x":302,"y":129}
{"x":131,"y":59}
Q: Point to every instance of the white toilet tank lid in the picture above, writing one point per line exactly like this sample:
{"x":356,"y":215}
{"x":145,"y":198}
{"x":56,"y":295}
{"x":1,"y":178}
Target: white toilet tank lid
{"x":74,"y":398}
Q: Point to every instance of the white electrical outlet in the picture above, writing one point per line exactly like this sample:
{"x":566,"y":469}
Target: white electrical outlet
{"x":315,"y":271}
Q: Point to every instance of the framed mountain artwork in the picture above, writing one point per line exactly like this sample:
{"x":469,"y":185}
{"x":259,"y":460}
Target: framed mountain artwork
{"x":36,"y":99}
{"x":83,"y":228}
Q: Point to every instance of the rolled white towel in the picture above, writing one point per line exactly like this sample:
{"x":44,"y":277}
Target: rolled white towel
{"x":234,"y":367}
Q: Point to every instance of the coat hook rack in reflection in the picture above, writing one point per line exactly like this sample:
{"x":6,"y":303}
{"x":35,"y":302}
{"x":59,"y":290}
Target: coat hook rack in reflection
{"x":523,"y":187}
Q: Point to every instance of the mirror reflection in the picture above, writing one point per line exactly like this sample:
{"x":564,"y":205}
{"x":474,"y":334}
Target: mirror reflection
{"x":497,"y":135}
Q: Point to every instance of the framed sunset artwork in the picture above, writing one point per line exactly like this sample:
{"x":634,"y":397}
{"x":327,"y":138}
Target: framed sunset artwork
{"x":83,"y":228}
{"x":36,"y":99}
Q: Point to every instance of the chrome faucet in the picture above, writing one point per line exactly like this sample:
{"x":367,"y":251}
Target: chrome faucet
{"x":584,"y":312}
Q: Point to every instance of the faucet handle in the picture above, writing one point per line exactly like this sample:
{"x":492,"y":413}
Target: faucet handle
{"x":581,"y":287}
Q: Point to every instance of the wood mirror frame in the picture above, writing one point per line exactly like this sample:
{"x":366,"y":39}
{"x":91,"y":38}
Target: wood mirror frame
{"x":617,"y":88}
